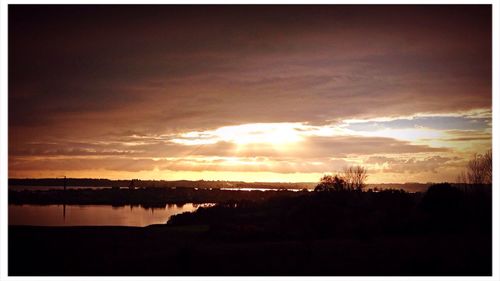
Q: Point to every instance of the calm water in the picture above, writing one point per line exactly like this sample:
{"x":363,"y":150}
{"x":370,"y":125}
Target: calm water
{"x":261,"y":189}
{"x":72,"y":215}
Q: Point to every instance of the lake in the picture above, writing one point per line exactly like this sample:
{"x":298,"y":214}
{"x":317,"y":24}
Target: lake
{"x":79,"y":215}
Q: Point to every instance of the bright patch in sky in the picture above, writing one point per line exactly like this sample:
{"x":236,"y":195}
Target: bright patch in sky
{"x":426,"y":122}
{"x":264,"y":133}
{"x":418,"y":130}
{"x":252,"y":94}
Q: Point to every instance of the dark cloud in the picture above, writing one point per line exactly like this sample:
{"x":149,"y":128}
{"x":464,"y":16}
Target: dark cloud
{"x":67,"y":60}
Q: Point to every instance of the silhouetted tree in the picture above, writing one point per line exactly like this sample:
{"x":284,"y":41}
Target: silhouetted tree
{"x":488,"y":167}
{"x":478,"y":170}
{"x":355,"y":177}
{"x":445,"y":205}
{"x":331,"y":183}
{"x":475,"y":172}
{"x":442,"y":198}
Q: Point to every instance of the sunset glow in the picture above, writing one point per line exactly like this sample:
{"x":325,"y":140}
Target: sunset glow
{"x":186,"y":94}
{"x":275,"y":134}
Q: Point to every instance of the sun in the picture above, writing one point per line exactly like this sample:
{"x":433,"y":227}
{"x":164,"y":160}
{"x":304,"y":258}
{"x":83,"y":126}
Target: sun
{"x":260,"y":133}
{"x":277,"y":135}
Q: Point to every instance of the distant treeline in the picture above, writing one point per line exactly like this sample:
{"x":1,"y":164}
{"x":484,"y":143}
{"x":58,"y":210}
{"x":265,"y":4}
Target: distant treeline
{"x":150,"y":197}
{"x":88,"y":182}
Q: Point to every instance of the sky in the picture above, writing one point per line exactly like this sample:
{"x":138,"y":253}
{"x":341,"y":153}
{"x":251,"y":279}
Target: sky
{"x":250,"y":93}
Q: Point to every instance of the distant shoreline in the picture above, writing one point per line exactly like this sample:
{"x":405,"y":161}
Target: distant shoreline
{"x":108,"y":183}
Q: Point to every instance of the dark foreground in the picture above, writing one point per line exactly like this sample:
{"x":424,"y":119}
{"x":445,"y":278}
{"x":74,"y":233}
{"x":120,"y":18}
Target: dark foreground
{"x":187,"y":251}
{"x":442,"y":232}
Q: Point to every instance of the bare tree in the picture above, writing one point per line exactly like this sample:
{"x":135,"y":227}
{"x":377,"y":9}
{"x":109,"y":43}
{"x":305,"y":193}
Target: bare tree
{"x":488,"y":167}
{"x":475,"y":172}
{"x":355,"y":177}
{"x":478,"y":170}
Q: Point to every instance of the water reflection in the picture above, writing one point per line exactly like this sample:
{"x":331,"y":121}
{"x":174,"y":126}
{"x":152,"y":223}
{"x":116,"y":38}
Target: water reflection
{"x":72,"y":215}
{"x":261,"y":189}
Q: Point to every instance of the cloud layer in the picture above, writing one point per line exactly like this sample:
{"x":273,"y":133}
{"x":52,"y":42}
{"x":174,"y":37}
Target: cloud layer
{"x":114,"y":87}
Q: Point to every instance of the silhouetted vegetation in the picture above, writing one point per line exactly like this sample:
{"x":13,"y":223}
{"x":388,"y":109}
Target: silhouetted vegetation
{"x":352,"y":179}
{"x":389,"y":232}
{"x":478,"y":172}
{"x":73,"y":183}
{"x":143,"y":196}
{"x":330,"y":183}
{"x":365,"y":214}
{"x":202,"y":184}
{"x":355,"y":177}
{"x":337,"y":230}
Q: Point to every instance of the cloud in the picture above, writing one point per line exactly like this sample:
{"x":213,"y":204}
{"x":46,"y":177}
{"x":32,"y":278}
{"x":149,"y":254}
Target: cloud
{"x":324,"y":69}
{"x":414,"y":165}
{"x":123,"y":82}
{"x":77,"y":164}
{"x":313,"y":154}
{"x":463,"y":122}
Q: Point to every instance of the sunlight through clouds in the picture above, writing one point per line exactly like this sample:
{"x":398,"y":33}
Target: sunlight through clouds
{"x":287,"y":102}
{"x":271,"y":133}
